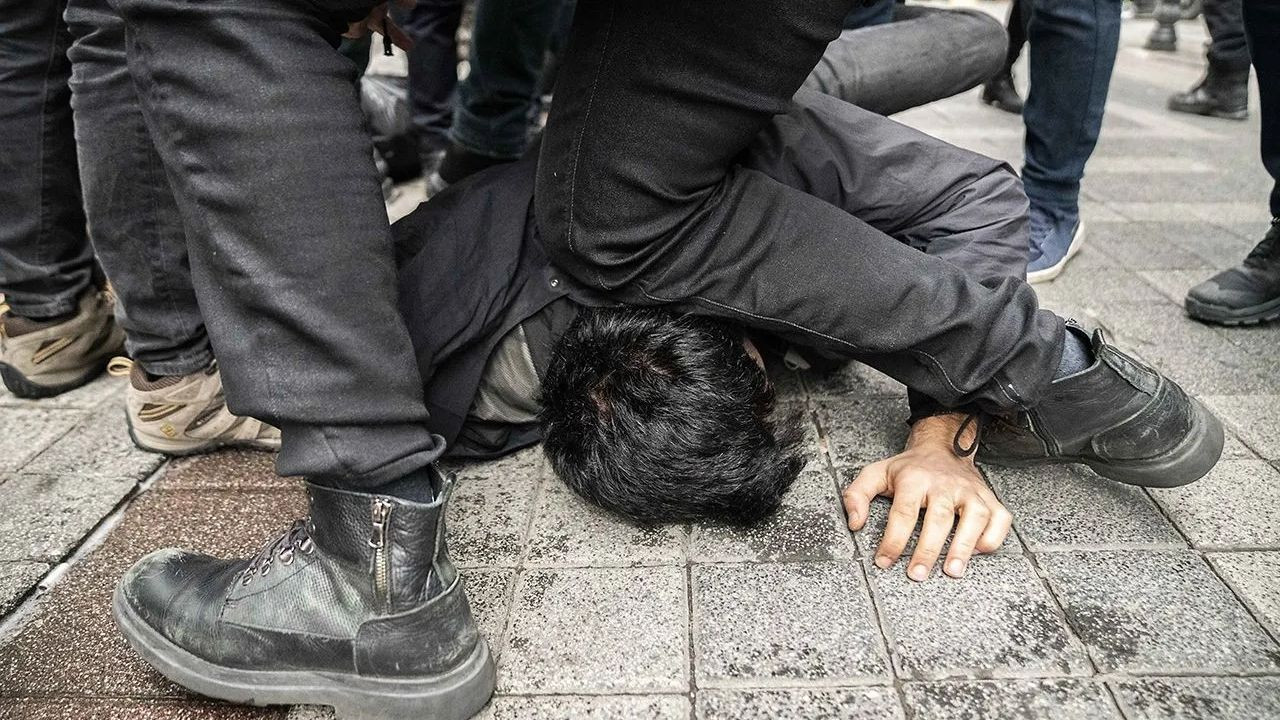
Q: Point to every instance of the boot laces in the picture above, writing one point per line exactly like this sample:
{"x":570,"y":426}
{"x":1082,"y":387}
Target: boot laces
{"x":980,"y":420}
{"x":295,"y":539}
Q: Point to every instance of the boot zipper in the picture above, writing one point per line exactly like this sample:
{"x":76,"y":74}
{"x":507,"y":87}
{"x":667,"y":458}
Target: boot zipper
{"x":381,"y":561}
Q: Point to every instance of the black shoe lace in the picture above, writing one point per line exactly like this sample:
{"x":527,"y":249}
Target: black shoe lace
{"x":980,"y":420}
{"x":295,"y":539}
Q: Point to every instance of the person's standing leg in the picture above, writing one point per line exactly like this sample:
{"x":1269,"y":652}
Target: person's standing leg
{"x":1250,"y":292}
{"x":57,"y":332}
{"x":1000,"y":92}
{"x":497,"y":99}
{"x":258,"y":126}
{"x":1073,"y":50}
{"x":433,"y":75}
{"x":1224,"y":89}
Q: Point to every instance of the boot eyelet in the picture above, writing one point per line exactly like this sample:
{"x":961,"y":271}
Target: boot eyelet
{"x":306,"y":546}
{"x":265,"y":569}
{"x":246,"y":580}
{"x":286,"y":556}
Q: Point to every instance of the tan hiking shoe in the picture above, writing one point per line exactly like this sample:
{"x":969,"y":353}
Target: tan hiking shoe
{"x":40,"y":359}
{"x":185,"y":415}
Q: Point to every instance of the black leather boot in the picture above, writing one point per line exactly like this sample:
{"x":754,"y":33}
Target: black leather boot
{"x":999,"y":93}
{"x":1119,"y":417}
{"x":1245,"y":294}
{"x":1220,"y":93}
{"x":357,"y":606}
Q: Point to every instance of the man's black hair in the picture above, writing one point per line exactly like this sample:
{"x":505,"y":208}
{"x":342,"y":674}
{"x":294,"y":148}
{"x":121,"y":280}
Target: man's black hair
{"x":663,"y":417}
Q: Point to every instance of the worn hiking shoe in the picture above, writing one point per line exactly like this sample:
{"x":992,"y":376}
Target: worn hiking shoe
{"x":1245,"y":294}
{"x":186,"y":414}
{"x":1121,"y":418}
{"x":1000,"y":93}
{"x":357,"y":606}
{"x":41,"y":359}
{"x":1220,"y":93}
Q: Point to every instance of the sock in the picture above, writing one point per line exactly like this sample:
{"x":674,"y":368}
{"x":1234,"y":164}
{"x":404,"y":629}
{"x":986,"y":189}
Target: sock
{"x":1076,"y":354}
{"x":418,"y":486}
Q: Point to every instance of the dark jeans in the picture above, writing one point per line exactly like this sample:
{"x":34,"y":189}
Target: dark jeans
{"x":924,"y":54}
{"x":1262,"y":27}
{"x":1228,"y":48}
{"x":46,"y":262}
{"x":639,"y":196}
{"x":1073,"y":49}
{"x":433,"y":68}
{"x":259,"y":129}
{"x":1016,"y":26}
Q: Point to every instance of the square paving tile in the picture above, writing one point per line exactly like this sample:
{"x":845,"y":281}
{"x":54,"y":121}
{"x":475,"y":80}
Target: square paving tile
{"x":570,"y":532}
{"x":226,"y":470}
{"x":1066,"y":506}
{"x":597,"y":631}
{"x":488,"y":518}
{"x":1255,"y":418}
{"x":583,"y":707}
{"x":16,"y":580}
{"x":1147,"y":246}
{"x":1058,"y":699}
{"x":860,"y":430}
{"x":852,"y":379}
{"x":1255,"y":578}
{"x":1157,"y":612}
{"x":784,"y":624}
{"x":1217,"y":698}
{"x":1235,"y":505}
{"x":810,"y":525}
{"x":489,"y":592}
{"x":529,"y":462}
{"x":104,"y":390}
{"x":863,"y":703}
{"x":998,"y":621}
{"x":46,"y":516}
{"x":29,"y":430}
{"x":96,"y":450}
{"x":1097,"y":285}
{"x":132,"y":709}
{"x":1174,"y":284}
{"x":71,"y":645}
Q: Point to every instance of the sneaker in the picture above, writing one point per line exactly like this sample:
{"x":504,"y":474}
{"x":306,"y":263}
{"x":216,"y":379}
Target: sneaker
{"x":186,"y":414}
{"x":1246,"y":294}
{"x":358,"y":607}
{"x":40,"y":359}
{"x":999,"y":93}
{"x":1121,"y":418}
{"x":1220,"y":93}
{"x":1056,"y":237}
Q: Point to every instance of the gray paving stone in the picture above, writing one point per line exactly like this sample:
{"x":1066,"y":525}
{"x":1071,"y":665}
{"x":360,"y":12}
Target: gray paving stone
{"x":862,"y":430}
{"x":1235,"y":505}
{"x":1255,"y":578}
{"x":489,"y":517}
{"x":1193,"y":354}
{"x":570,"y":532}
{"x":854,"y":379}
{"x":998,"y":621}
{"x":97,"y":449}
{"x":597,"y":631}
{"x":529,"y":462}
{"x":1217,"y":698}
{"x":864,"y":703}
{"x":16,"y":580}
{"x":1156,"y":612}
{"x":1067,"y":506}
{"x":29,"y":430}
{"x":104,"y":389}
{"x":1058,"y":699}
{"x":1255,"y":418}
{"x":45,"y":517}
{"x":1259,"y":341}
{"x":784,"y":624}
{"x":809,"y":526}
{"x":1147,"y":246}
{"x":489,"y":592}
{"x":1097,"y":285}
{"x":581,"y":707}
{"x":1174,"y":284}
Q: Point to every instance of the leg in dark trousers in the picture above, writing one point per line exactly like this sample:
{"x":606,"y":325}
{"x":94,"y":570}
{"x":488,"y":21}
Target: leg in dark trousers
{"x":638,"y":196}
{"x":1224,"y":90}
{"x":433,"y":71}
{"x":999,"y":91}
{"x":1262,"y":28}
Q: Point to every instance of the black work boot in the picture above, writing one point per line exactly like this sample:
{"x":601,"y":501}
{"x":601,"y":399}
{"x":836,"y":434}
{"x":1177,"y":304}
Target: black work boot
{"x":1245,"y":294}
{"x":357,"y":606}
{"x":999,"y":93}
{"x":1119,"y":417}
{"x":1220,"y":93}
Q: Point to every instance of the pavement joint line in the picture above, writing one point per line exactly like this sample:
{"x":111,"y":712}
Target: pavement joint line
{"x":691,"y":630}
{"x":1058,"y":607}
{"x":886,"y":640}
{"x":1242,"y":599}
{"x":12,"y":624}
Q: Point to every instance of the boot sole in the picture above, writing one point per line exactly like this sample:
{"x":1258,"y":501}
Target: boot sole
{"x":1209,"y":112}
{"x":174,"y":448}
{"x":455,"y":695}
{"x":1191,"y":460}
{"x":1220,"y":315}
{"x":21,"y":387}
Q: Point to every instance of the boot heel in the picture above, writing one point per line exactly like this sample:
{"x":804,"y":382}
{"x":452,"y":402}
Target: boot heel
{"x":456,"y":695}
